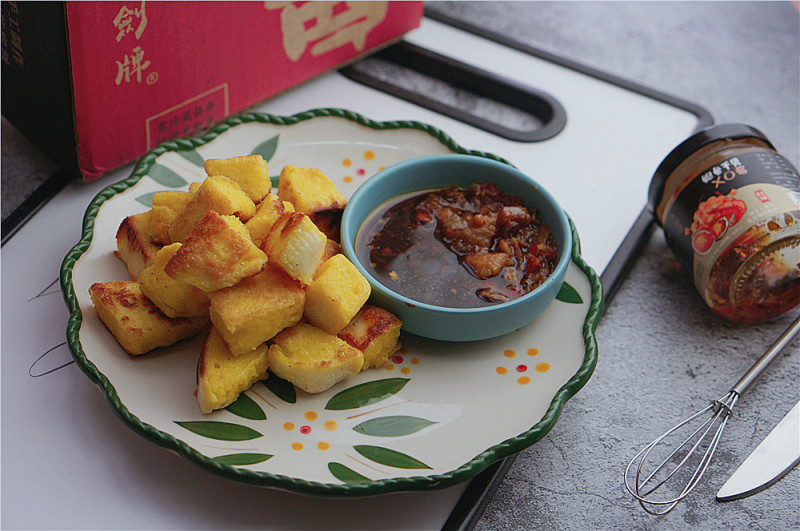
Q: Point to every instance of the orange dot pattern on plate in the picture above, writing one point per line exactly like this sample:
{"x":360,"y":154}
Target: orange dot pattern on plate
{"x":521,"y":368}
{"x":401,"y":360}
{"x":311,"y":416}
{"x":367,"y":155}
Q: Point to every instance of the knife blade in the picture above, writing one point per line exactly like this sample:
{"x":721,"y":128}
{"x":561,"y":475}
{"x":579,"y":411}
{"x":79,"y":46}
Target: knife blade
{"x":778,"y":453}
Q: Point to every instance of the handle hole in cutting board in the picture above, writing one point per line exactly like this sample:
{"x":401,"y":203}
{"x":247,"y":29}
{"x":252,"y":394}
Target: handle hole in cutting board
{"x":474,"y":96}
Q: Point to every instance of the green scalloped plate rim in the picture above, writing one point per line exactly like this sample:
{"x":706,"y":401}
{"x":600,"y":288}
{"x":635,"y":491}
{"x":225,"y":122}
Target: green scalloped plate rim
{"x":411,"y":483}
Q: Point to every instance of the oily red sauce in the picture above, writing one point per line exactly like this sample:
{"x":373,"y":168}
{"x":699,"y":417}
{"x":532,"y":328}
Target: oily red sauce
{"x":459,"y":247}
{"x":772,"y":288}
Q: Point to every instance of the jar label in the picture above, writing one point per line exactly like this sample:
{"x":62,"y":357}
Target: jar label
{"x":724,"y":201}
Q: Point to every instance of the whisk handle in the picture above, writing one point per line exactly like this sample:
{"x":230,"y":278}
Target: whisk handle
{"x":772,"y":352}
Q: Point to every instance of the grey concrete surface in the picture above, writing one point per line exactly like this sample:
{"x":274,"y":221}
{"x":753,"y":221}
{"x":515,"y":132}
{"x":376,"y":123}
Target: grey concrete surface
{"x":663,"y":355}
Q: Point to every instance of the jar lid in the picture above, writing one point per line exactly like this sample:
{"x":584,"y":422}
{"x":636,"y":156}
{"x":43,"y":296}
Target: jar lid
{"x":692,"y":144}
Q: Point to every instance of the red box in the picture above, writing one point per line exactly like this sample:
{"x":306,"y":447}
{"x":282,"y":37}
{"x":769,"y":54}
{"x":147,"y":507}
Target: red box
{"x":134,"y":74}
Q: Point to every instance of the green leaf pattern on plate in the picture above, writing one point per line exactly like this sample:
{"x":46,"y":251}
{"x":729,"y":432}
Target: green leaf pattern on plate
{"x":192,"y":156}
{"x":242,"y":459}
{"x":365,"y":394}
{"x":569,"y":294}
{"x":387,"y":457}
{"x":281,"y":388}
{"x":166,"y":177}
{"x":393,"y":426}
{"x":267,"y":148}
{"x":146,"y":199}
{"x":353,"y":397}
{"x":222,"y":431}
{"x":247,"y":408}
{"x":345,"y":474}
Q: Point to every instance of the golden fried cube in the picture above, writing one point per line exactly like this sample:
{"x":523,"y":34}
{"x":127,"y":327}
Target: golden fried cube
{"x":218,"y":193}
{"x":335,"y":295}
{"x":375,"y":332}
{"x":217,"y":254}
{"x":134,"y":247}
{"x":249,"y":313}
{"x":314,"y":194}
{"x":267,"y":213}
{"x":296,"y":245}
{"x":249,"y":171}
{"x":222,"y":377}
{"x":174,"y":297}
{"x":313,"y":359}
{"x":166,"y":207}
{"x":135,"y":322}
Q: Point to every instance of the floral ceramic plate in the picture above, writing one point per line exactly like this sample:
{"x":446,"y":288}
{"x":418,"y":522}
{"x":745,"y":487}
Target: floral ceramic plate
{"x":436,"y":415}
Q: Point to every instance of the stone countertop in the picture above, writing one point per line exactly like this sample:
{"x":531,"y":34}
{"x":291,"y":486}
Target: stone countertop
{"x":662,"y":353}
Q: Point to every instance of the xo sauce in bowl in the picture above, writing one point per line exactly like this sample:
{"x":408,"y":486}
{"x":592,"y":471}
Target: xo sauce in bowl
{"x":460,"y":247}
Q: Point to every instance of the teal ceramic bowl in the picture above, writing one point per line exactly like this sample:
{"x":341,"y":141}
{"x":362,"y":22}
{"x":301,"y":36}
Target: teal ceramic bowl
{"x":439,"y":171}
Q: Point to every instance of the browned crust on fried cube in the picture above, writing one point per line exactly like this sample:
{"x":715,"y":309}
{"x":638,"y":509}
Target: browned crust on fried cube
{"x":135,"y":322}
{"x":217,"y":254}
{"x":375,"y":332}
{"x":134,"y":247}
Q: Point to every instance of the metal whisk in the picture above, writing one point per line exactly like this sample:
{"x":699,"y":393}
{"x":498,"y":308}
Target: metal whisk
{"x":642,"y":485}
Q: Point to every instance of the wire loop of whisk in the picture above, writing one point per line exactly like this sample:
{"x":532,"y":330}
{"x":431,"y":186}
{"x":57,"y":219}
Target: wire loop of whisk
{"x":642,"y":488}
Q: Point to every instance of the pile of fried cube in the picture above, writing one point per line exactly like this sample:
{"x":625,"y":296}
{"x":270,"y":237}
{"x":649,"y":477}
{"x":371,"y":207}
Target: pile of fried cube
{"x":260,"y":273}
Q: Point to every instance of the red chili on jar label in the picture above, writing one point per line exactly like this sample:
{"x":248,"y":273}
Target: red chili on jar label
{"x":458,"y":247}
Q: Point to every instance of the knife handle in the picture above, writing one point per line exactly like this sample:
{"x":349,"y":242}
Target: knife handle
{"x":772,"y":352}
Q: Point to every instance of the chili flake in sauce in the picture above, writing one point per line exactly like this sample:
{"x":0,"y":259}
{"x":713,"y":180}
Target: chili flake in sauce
{"x":460,"y":247}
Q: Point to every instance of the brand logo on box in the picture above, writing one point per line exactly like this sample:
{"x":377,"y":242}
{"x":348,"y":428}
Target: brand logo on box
{"x":325,"y":26}
{"x":188,"y":118}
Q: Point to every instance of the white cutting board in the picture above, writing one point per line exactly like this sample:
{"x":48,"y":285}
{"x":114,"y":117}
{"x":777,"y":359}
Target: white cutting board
{"x":69,"y":463}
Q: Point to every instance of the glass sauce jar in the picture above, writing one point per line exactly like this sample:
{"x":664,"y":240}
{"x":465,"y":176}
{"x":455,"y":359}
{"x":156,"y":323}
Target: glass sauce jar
{"x":729,"y":205}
